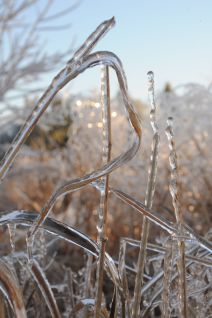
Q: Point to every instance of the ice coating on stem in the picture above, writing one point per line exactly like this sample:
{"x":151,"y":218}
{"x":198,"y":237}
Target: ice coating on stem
{"x":157,"y":277}
{"x":2,"y":307}
{"x":167,"y":277}
{"x":157,"y":219}
{"x":182,"y":279}
{"x":63,"y":231}
{"x":73,"y":68}
{"x":62,"y":78}
{"x":88,"y":275}
{"x":45,"y":288}
{"x":71,"y":302}
{"x":41,"y":248}
{"x":103,"y":207}
{"x":12,"y":232}
{"x":109,"y":59}
{"x":148,"y":199}
{"x":151,"y":95}
{"x":174,"y":171}
{"x":178,"y":215}
{"x":92,"y":40}
{"x":180,"y":233}
{"x":123,"y":277}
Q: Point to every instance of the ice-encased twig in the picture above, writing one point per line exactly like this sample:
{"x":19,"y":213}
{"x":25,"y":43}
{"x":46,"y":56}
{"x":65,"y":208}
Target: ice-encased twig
{"x":104,"y":191}
{"x":179,"y":219}
{"x":148,"y":199}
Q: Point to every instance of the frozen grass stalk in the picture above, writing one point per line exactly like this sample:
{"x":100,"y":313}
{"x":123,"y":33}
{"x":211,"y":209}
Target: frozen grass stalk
{"x":179,"y":220}
{"x":70,"y":298}
{"x":2,"y":307}
{"x":167,"y":277}
{"x":11,"y":290}
{"x":125,"y":300}
{"x":60,"y":80}
{"x":178,"y":233}
{"x":88,"y":277}
{"x":104,"y":189}
{"x":148,"y":200}
{"x":73,"y":68}
{"x":157,"y":219}
{"x":45,"y":288}
{"x":12,"y":232}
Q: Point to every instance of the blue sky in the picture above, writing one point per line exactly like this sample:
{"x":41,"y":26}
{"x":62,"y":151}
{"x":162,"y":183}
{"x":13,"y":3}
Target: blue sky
{"x":172,"y":38}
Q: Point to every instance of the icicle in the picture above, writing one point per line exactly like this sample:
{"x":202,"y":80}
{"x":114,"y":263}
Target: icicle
{"x":12,"y":230}
{"x":148,"y":200}
{"x":178,"y":214}
{"x":103,"y":208}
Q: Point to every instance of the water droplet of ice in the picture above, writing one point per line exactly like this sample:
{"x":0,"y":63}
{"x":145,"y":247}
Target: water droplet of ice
{"x":150,"y":76}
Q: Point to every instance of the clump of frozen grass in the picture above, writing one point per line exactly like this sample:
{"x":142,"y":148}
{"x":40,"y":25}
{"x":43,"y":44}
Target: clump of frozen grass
{"x":173,"y":274}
